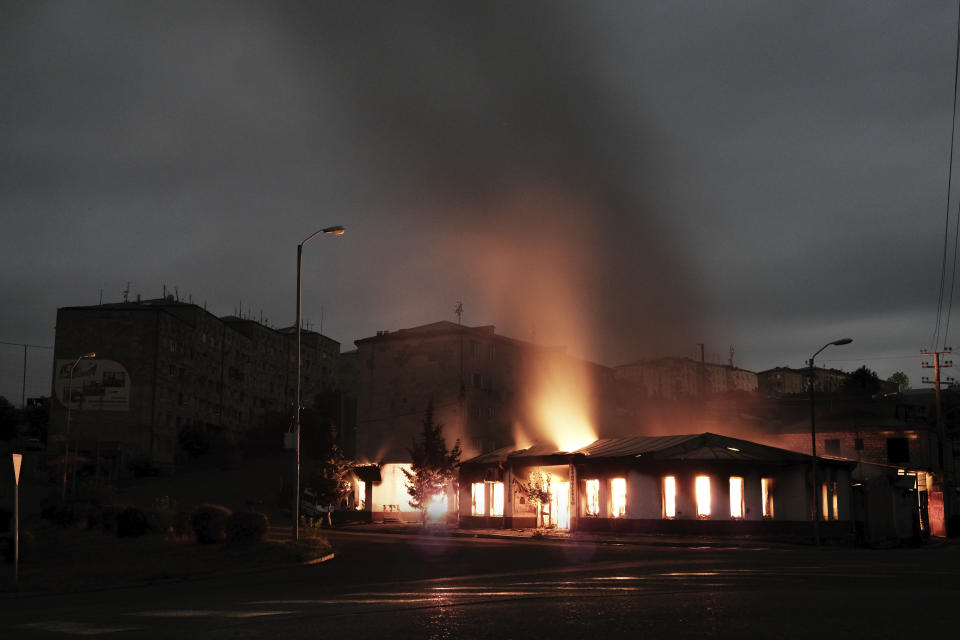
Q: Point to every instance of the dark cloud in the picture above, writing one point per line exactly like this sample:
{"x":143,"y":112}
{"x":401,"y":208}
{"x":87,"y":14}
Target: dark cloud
{"x":628,"y":179}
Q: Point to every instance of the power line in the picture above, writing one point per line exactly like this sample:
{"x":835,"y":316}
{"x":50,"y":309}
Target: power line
{"x":20,"y":344}
{"x":946,"y":229}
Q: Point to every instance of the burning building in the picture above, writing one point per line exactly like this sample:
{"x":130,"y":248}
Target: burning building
{"x":703,"y":483}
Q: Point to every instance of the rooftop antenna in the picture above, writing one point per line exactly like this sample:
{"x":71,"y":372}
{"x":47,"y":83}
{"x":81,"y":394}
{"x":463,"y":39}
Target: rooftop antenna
{"x":126,"y":292}
{"x":176,"y":293}
{"x":459,"y":311}
{"x":101,"y":295}
{"x":164,"y":292}
{"x":731,"y":356}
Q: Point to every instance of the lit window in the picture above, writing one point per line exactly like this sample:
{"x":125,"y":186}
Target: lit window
{"x":496,"y":506}
{"x":477,"y":493}
{"x":703,"y":496}
{"x":766,"y":488}
{"x":593,"y":497}
{"x":830,"y":502}
{"x":361,"y":495}
{"x":618,"y":496}
{"x":836,"y":506}
{"x":736,"y":497}
{"x":669,"y":497}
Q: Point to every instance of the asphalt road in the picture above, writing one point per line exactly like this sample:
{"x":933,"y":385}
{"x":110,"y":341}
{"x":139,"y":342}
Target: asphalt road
{"x":396,"y":586}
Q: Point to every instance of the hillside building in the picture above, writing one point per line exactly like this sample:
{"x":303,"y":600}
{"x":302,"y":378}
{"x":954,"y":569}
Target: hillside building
{"x":162,"y":365}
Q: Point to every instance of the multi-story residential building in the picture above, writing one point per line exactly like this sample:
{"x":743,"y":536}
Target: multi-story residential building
{"x":162,"y":364}
{"x":782,"y":381}
{"x":482,"y":386}
{"x":676,"y":378}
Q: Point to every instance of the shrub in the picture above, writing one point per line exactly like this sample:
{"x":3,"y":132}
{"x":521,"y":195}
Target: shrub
{"x":108,"y":516}
{"x":132,"y":522}
{"x":143,"y":467}
{"x":60,"y":515}
{"x":160,"y":519}
{"x":209,"y":522}
{"x":245,"y":527}
{"x":181,"y":525}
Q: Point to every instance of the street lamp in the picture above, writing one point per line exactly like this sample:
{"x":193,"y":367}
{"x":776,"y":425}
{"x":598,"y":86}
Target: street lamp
{"x":66,"y":443}
{"x":336,"y":231}
{"x":813,"y":439}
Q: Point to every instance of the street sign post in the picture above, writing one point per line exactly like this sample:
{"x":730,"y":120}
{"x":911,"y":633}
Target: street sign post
{"x":17,"y":460}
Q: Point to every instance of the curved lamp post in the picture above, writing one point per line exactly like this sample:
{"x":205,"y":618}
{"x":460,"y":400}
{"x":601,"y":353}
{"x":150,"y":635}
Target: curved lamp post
{"x":813,"y":438}
{"x":66,"y":442}
{"x":336,"y":231}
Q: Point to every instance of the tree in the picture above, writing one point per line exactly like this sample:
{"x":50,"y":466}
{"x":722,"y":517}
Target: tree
{"x":863,"y":382}
{"x":900,"y":379}
{"x":538,"y":492}
{"x":8,"y":420}
{"x":433,"y":465}
{"x":331,"y":477}
{"x":330,"y":469}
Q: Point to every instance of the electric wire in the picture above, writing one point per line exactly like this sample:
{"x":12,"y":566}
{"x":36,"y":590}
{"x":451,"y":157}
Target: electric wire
{"x":946,"y":230}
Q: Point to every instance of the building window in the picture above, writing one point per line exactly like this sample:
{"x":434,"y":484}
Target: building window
{"x":361,"y":495}
{"x":828,"y":492}
{"x":736,"y":498}
{"x":766,"y":489}
{"x":593,"y":497}
{"x":669,"y":497}
{"x":477,"y":381}
{"x":702,"y":484}
{"x":475,"y":349}
{"x":898,"y":451}
{"x":477,"y":494}
{"x":618,"y":497}
{"x":496,"y":505}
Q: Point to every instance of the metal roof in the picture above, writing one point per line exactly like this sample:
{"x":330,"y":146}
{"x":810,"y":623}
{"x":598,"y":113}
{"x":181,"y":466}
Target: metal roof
{"x":701,"y":446}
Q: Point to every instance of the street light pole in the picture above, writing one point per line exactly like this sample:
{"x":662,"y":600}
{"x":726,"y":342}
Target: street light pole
{"x":336,"y":231}
{"x":813,"y":439}
{"x":66,"y":441}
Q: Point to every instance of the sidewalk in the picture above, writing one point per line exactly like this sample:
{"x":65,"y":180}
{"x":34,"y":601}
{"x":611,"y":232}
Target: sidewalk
{"x":609,"y":538}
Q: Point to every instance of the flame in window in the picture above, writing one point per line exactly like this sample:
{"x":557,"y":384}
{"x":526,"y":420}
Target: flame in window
{"x":766,"y":488}
{"x":736,"y":497}
{"x":618,"y":497}
{"x":593,"y":497}
{"x":669,"y":497}
{"x":496,"y":506}
{"x":703,"y":496}
{"x":478,"y":492}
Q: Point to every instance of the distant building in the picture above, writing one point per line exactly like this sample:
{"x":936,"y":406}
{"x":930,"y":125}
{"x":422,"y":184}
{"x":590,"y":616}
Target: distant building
{"x":478,"y":381}
{"x":782,"y":381}
{"x":677,"y":378}
{"x":162,"y":365}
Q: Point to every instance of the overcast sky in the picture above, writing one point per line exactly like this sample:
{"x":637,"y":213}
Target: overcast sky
{"x":625,"y":178}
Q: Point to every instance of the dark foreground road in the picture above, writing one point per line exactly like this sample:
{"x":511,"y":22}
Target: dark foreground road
{"x":391,"y":586}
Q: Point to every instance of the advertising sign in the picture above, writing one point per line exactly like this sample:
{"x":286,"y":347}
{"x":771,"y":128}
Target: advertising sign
{"x":98,"y":385}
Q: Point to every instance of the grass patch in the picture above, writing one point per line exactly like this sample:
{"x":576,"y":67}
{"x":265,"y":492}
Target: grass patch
{"x":71,"y":559}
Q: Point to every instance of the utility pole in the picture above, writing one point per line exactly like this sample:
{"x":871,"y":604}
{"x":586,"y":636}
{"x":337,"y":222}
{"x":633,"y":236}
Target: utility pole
{"x":944,"y":458}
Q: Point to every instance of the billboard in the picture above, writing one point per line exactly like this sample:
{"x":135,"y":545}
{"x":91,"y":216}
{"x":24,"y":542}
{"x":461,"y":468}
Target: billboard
{"x":98,"y":385}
